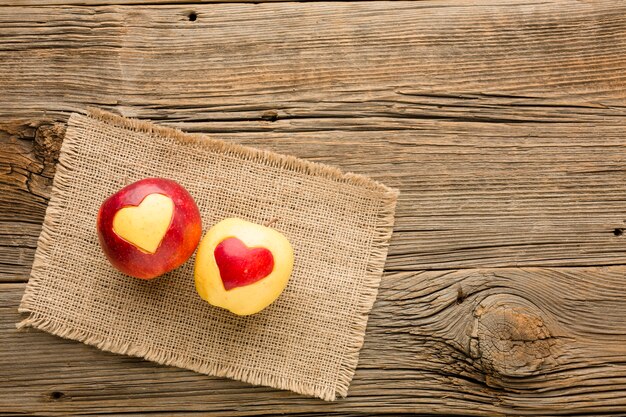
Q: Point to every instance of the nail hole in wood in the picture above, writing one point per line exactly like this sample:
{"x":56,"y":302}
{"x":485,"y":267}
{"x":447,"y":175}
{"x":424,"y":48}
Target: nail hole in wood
{"x":192,"y":16}
{"x":618,"y":231}
{"x":56,"y":395}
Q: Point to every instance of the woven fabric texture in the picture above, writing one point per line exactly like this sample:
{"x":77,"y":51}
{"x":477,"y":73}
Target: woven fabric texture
{"x":307,"y":341}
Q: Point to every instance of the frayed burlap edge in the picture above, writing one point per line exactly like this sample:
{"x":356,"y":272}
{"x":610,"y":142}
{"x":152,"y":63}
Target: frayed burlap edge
{"x":383,"y":231}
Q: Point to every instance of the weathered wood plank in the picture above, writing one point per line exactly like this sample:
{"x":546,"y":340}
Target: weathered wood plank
{"x":488,"y":195}
{"x":529,"y":341}
{"x":303,"y":59}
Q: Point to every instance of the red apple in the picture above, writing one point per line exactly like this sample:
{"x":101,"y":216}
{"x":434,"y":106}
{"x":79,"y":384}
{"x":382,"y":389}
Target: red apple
{"x":149,"y":227}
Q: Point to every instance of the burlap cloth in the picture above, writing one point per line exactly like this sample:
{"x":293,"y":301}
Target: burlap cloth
{"x":307,"y":341}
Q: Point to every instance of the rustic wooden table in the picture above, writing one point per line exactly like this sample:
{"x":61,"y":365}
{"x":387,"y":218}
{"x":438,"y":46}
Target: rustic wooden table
{"x":503,"y":122}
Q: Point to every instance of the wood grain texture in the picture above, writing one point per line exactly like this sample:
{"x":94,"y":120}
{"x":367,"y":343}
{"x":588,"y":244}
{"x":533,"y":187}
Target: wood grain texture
{"x":502,"y":122}
{"x":523,"y":341}
{"x":303,"y":60}
{"x":498,"y":122}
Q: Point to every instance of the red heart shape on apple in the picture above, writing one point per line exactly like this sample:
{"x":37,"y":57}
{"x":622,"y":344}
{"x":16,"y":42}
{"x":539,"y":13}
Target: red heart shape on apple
{"x":240,"y":265}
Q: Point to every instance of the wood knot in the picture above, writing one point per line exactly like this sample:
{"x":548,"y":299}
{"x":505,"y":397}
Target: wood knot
{"x":510,"y":337}
{"x":48,"y":138}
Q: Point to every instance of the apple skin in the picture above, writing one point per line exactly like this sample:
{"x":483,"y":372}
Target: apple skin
{"x":249,"y":298}
{"x":178,"y":243}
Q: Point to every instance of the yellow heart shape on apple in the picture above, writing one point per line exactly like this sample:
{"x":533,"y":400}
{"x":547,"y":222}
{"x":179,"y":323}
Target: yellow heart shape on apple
{"x":145,"y":225}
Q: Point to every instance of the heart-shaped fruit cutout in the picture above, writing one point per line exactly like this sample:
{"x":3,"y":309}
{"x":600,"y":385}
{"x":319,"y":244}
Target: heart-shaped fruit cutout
{"x":240,"y":265}
{"x":145,"y":225}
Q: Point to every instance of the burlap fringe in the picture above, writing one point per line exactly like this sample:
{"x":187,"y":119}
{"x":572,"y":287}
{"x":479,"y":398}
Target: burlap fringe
{"x":60,"y":185}
{"x":251,"y":154}
{"x":153,"y":354}
{"x":371,"y":282}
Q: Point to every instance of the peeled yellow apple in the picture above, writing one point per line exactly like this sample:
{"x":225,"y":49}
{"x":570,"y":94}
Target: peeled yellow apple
{"x":242,"y":266}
